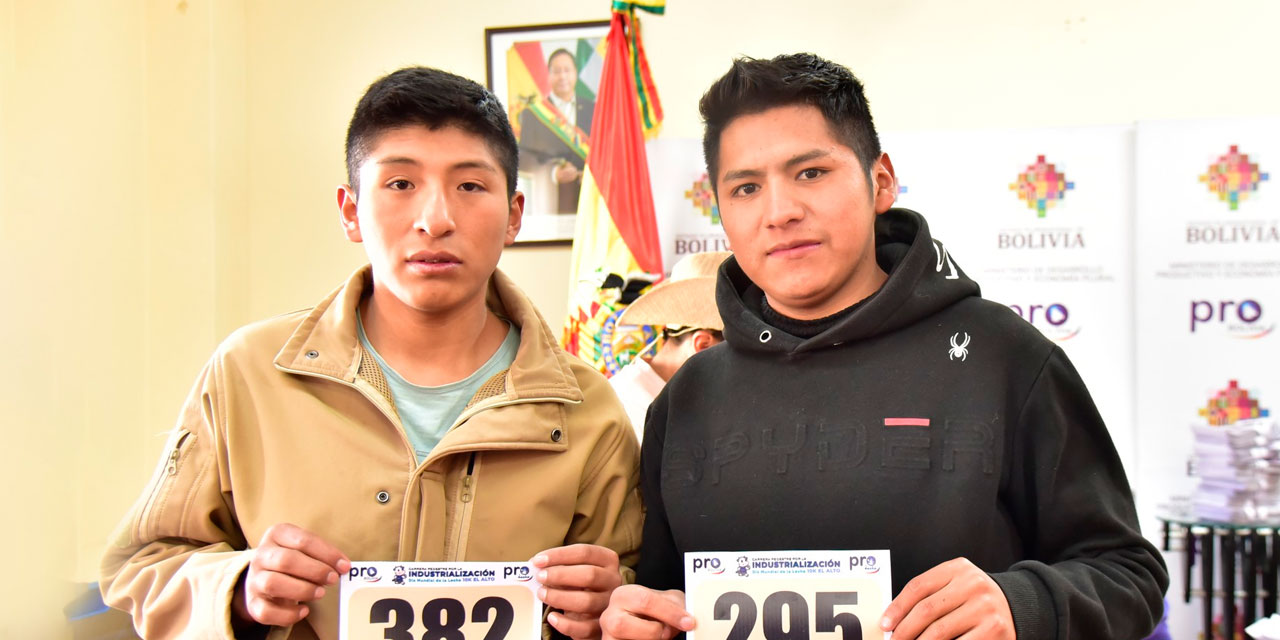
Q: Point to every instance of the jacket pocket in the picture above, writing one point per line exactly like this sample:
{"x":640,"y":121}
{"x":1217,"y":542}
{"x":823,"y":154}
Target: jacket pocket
{"x":177,"y":451}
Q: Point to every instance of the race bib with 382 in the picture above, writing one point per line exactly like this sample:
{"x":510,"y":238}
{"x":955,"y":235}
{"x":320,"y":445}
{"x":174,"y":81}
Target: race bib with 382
{"x":439,"y":601}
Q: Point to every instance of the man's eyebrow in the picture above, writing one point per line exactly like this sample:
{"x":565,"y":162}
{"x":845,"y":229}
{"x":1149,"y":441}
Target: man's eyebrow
{"x":808,"y":156}
{"x":739,"y":174}
{"x":473,"y":164}
{"x":462,"y":164}
{"x":399,"y":160}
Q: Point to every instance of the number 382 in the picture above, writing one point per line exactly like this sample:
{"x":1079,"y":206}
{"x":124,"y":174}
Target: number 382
{"x":442,"y":617}
{"x":796,"y":617}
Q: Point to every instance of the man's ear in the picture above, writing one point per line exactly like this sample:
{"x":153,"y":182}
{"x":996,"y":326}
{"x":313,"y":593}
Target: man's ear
{"x":347,"y":210}
{"x":702,"y":339}
{"x":514,"y":217}
{"x":885,"y":183}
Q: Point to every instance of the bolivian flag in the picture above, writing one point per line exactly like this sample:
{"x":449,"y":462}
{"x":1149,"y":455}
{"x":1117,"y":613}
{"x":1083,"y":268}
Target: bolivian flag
{"x":616,"y":237}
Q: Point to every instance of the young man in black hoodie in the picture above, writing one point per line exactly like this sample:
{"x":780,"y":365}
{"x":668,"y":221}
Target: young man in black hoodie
{"x":868,"y":398}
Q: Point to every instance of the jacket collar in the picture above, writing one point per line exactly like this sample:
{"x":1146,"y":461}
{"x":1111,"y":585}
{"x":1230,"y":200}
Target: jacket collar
{"x":326,"y":343}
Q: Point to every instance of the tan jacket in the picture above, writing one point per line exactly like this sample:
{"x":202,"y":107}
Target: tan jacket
{"x":292,"y":421}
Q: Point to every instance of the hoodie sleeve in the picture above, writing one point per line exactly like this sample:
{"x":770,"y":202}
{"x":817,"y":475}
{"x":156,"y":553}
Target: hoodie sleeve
{"x":660,"y":562}
{"x":1089,"y":572}
{"x":175,"y":559}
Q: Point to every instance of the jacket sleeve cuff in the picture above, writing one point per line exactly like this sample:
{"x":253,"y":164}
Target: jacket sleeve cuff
{"x":1030,"y":603}
{"x":226,"y":594}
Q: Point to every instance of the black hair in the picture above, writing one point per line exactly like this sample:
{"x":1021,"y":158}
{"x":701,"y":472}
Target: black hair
{"x":431,"y":98}
{"x":752,"y":86}
{"x":562,"y":51}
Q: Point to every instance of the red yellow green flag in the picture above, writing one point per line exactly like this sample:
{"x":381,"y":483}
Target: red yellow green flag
{"x":616,"y":237}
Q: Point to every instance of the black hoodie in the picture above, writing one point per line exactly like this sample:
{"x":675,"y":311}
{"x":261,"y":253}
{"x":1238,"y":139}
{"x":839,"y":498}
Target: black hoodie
{"x":924,"y":420}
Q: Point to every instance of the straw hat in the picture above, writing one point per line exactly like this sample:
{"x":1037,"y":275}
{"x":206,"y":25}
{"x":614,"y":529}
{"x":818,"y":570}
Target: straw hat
{"x":686,"y":299}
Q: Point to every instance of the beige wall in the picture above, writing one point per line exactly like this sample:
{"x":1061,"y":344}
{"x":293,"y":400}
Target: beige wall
{"x":168,"y":173}
{"x":308,"y":68}
{"x":124,"y":213}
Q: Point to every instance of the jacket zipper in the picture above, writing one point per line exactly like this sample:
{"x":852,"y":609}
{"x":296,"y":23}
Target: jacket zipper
{"x":468,"y":491}
{"x":163,"y":474}
{"x":468,"y":495}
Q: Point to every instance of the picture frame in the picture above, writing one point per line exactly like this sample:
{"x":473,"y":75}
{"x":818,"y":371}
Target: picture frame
{"x":527,"y":69}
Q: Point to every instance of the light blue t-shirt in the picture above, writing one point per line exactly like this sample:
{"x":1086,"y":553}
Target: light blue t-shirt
{"x":428,"y":412}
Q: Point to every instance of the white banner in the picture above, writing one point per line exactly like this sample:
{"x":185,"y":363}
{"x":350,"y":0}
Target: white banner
{"x":688,"y":218}
{"x":1208,"y":283}
{"x":1041,"y":220}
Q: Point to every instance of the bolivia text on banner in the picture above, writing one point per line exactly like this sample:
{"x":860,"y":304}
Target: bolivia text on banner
{"x":616,"y":236}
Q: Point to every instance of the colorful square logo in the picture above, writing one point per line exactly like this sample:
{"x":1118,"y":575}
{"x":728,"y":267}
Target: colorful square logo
{"x":704,"y":199}
{"x":1233,"y":177}
{"x":1232,"y":405}
{"x":1041,"y":186}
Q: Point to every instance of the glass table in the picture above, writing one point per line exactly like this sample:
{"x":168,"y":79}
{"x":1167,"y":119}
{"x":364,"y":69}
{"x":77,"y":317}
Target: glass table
{"x":1247,"y":556}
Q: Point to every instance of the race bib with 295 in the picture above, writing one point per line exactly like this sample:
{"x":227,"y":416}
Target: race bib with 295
{"x":439,"y":600}
{"x":787,"y":595}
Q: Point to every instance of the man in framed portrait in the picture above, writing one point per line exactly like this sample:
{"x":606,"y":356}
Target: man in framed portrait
{"x":553,"y":141}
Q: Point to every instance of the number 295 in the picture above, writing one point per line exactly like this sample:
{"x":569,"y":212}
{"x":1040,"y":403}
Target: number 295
{"x":796,"y":616}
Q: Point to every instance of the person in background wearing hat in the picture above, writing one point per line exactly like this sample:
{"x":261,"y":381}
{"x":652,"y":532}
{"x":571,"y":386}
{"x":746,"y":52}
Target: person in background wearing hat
{"x":684,"y":305}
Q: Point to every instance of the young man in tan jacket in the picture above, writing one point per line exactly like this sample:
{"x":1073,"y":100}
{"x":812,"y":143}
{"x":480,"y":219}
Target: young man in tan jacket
{"x":421,"y":412}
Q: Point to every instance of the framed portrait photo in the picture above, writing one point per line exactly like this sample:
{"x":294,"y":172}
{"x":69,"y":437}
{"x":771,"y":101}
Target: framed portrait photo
{"x":547,"y":77}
